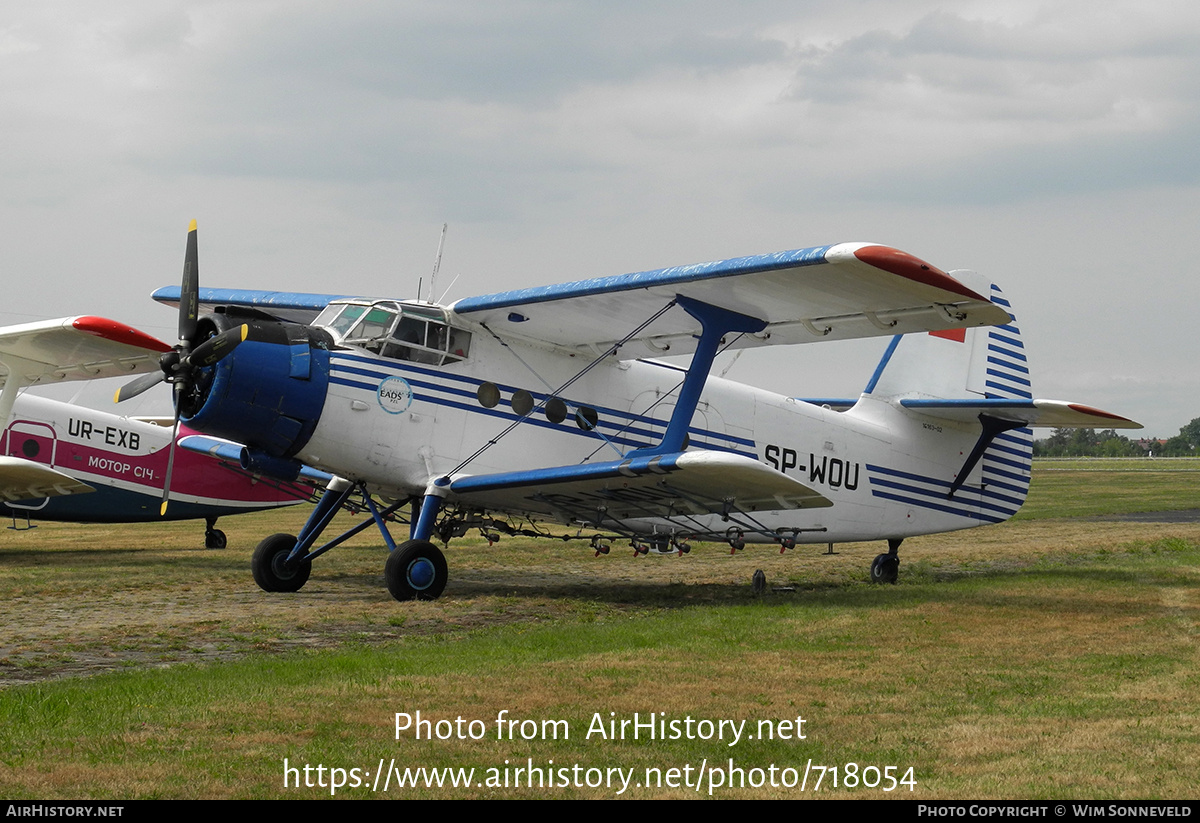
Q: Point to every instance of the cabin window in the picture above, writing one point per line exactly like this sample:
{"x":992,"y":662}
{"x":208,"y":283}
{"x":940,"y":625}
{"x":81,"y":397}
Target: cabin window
{"x":413,"y":333}
{"x":339,"y":317}
{"x":371,"y":330}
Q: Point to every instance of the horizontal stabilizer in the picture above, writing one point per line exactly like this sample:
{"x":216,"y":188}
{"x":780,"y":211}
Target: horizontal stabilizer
{"x":22,"y":479}
{"x":667,"y":486}
{"x":1042,"y":413}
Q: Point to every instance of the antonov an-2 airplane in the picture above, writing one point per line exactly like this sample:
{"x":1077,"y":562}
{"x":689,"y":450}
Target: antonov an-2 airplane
{"x":538,"y":412}
{"x":60,"y":461}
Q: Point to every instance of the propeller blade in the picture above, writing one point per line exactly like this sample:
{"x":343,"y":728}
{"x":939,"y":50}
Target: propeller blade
{"x":189,"y":292}
{"x":138,"y":385}
{"x":215,"y":349}
{"x":162,"y":512}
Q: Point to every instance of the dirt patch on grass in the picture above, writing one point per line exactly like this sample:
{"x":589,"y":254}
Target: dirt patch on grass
{"x":80,"y":599}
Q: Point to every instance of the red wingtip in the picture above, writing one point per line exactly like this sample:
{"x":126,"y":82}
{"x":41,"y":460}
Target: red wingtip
{"x":1079,"y":407}
{"x":914,"y":268}
{"x":119,"y":332}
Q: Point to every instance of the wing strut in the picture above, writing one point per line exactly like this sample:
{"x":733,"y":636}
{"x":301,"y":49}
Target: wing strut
{"x":715,"y":323}
{"x":337,"y":493}
{"x":993,"y":427}
{"x":8,"y":396}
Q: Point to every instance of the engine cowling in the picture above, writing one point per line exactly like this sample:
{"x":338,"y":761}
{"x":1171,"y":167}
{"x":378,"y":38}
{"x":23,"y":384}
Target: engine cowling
{"x":268,"y":393}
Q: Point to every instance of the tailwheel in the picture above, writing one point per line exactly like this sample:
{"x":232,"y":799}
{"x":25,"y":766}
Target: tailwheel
{"x":214,"y":539}
{"x":416,"y":570}
{"x":885,"y":568}
{"x":271,"y":570}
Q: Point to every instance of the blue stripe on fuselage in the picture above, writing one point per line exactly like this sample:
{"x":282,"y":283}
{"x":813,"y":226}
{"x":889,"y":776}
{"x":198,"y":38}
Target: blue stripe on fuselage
{"x":619,"y":426}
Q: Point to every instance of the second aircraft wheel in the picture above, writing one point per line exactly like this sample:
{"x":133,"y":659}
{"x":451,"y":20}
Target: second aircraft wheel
{"x":885,"y":568}
{"x":416,"y":570}
{"x":271,"y":572}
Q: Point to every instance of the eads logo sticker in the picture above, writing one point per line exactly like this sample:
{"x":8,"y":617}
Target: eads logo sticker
{"x":394,"y":395}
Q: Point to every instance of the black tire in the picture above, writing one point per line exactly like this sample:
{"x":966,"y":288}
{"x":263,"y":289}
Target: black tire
{"x":416,"y":570}
{"x":270,"y":573}
{"x":885,"y":569}
{"x":215,"y":539}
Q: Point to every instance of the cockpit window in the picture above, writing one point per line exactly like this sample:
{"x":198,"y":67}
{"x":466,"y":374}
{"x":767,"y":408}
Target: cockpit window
{"x":414,"y":333}
{"x":339,"y":318}
{"x":372,"y":328}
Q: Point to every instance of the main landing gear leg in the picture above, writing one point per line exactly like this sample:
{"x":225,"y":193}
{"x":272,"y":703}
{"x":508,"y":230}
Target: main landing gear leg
{"x":886,"y":567}
{"x":416,"y":569}
{"x":282,"y":563}
{"x":214,"y":538}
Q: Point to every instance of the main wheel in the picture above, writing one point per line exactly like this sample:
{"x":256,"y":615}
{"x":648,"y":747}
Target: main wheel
{"x":885,"y":569}
{"x":416,"y":570}
{"x":271,"y":571}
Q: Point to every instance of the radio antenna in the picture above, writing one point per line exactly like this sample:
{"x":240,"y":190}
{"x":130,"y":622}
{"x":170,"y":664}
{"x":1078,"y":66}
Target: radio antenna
{"x":437,"y":264}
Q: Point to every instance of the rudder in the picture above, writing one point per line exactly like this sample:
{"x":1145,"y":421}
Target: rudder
{"x":970,"y":365}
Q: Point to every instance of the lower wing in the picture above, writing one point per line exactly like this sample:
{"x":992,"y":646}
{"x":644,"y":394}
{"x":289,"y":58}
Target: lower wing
{"x":666,"y":486}
{"x":22,"y":479}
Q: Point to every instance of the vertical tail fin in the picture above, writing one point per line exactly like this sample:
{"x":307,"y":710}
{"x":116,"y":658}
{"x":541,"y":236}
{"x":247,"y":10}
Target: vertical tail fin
{"x":985,"y":362}
{"x":970,"y":365}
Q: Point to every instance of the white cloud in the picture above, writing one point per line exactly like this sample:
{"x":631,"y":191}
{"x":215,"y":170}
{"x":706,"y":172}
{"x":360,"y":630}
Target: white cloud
{"x":1046,"y":144}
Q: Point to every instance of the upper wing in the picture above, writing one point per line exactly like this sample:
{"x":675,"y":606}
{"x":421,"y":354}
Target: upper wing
{"x":298,"y":307}
{"x":22,"y":479}
{"x":836,"y":292}
{"x":1054,"y":413}
{"x":671,"y":486}
{"x":75,"y":348}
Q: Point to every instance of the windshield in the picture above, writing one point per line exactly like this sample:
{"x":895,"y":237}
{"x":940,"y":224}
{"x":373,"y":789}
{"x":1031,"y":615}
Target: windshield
{"x":400,"y":331}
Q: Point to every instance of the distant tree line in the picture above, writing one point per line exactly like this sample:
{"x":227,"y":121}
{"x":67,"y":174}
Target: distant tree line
{"x":1107,"y":443}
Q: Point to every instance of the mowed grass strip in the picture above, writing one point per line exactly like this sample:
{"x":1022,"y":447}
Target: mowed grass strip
{"x":1065,"y":679}
{"x":1045,"y":658}
{"x":1096,"y":487}
{"x":1117,"y":464}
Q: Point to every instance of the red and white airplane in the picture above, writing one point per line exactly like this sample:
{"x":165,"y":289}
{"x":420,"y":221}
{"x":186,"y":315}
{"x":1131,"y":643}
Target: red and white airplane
{"x":541,"y":411}
{"x":60,"y":461}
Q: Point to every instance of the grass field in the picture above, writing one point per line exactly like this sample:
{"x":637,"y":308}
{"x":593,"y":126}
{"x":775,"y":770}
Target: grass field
{"x":1054,"y":656}
{"x":1121,"y":464}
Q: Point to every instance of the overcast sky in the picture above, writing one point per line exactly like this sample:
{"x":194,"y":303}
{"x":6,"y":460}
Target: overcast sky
{"x":1051,"y":146}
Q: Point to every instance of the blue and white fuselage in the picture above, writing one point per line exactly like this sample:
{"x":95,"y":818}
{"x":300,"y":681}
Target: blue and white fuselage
{"x":540,"y":406}
{"x":394,"y":425}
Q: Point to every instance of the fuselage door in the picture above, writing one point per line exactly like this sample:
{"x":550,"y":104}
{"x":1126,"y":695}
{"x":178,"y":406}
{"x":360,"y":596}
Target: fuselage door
{"x":36,"y":442}
{"x":33,"y":441}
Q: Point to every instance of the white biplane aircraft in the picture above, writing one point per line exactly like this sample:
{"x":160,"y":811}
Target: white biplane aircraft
{"x":515,"y":411}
